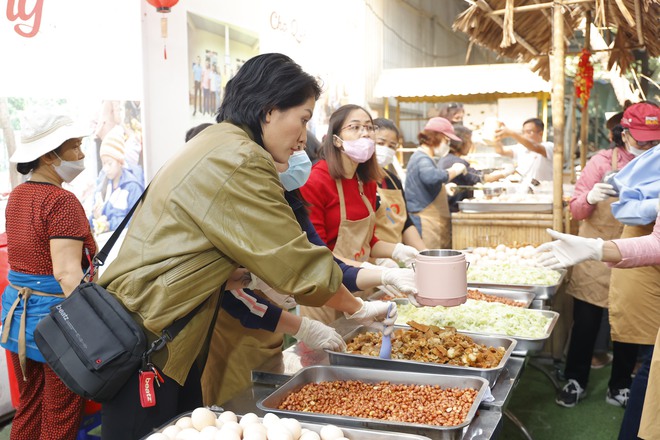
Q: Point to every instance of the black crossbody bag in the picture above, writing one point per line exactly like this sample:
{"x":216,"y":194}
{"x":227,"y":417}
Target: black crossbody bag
{"x":91,"y":341}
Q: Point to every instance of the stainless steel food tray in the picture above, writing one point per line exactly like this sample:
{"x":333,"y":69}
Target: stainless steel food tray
{"x":523,"y":344}
{"x":504,"y":207}
{"x":322,"y":373}
{"x":360,"y":360}
{"x":349,"y":433}
{"x":514,"y":295}
{"x":540,"y":292}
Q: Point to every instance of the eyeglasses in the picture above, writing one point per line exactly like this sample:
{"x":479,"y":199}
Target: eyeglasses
{"x":357,"y":128}
{"x":641,"y":144}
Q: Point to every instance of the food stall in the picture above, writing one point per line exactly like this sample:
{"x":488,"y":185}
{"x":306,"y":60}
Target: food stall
{"x":478,"y":224}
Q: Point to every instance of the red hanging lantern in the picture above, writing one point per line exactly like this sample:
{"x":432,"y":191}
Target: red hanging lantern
{"x":164,"y":7}
{"x":584,"y":78}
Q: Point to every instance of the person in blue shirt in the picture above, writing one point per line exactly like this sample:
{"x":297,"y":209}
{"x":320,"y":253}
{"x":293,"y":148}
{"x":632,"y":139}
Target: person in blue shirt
{"x":118,"y":186}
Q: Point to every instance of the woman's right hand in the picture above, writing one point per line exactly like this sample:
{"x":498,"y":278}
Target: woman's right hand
{"x":376,"y":312}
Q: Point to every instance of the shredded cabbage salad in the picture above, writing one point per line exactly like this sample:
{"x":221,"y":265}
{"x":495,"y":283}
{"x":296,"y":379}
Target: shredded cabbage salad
{"x":481,"y":317}
{"x":513,"y":274}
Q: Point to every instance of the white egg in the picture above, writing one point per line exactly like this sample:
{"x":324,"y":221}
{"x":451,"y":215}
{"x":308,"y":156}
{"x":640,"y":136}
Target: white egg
{"x":219,"y":423}
{"x":293,"y":426}
{"x":303,"y":431}
{"x":331,"y":432}
{"x":254,"y":435}
{"x":279,"y":432}
{"x":158,"y":436}
{"x":213,"y":429}
{"x":184,"y":422}
{"x":227,"y":434}
{"x":500,"y":248}
{"x":171,"y":431}
{"x":254,"y":427}
{"x":187,"y":434}
{"x":232,"y":426}
{"x":228,"y":416}
{"x":270,"y":418}
{"x":208,"y":434}
{"x":202,"y":417}
{"x":248,"y":419}
{"x":310,"y":435}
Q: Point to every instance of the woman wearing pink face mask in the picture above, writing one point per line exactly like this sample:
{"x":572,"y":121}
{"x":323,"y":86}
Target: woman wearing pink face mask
{"x":341,"y":191}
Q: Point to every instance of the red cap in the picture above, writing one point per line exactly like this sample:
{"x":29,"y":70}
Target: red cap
{"x":643,"y":121}
{"x":441,"y":125}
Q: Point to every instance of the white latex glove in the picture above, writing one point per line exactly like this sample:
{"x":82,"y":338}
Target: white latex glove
{"x":508,"y":169}
{"x":402,"y":280}
{"x":568,"y":250}
{"x":383,"y":263}
{"x":458,"y":168}
{"x":285,"y":301}
{"x":367,"y":265}
{"x":315,"y":334}
{"x":375,"y":312}
{"x":404,"y":254}
{"x":600,"y":191}
{"x":450,"y":188}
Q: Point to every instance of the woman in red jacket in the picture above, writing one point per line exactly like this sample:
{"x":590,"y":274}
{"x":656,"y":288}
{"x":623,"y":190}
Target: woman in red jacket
{"x":341,"y":191}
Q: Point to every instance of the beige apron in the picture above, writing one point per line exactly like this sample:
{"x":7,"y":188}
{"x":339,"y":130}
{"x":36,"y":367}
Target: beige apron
{"x":590,"y":281}
{"x":436,"y":222}
{"x":391,"y":215}
{"x":635,"y":298}
{"x":649,"y":428}
{"x":234,"y":352}
{"x":353,"y":242}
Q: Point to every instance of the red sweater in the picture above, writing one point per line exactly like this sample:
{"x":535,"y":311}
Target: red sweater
{"x":321,"y":192}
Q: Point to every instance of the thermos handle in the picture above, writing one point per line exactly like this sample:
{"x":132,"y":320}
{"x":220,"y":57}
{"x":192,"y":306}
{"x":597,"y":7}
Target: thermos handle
{"x":413,"y":267}
{"x":467,"y":265}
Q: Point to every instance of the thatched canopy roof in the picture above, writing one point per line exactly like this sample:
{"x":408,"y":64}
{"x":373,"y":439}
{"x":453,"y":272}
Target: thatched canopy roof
{"x":526,"y":35}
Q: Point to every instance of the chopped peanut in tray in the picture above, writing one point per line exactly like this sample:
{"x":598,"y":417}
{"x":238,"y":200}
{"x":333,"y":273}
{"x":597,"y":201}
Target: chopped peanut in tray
{"x":477,"y":295}
{"x":428,"y":343}
{"x":426,"y":404}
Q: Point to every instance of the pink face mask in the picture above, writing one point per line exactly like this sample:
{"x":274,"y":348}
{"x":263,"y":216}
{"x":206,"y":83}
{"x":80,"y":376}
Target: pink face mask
{"x":359,"y":150}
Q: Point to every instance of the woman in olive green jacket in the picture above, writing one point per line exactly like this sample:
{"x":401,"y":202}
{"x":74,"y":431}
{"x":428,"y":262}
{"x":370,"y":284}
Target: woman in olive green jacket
{"x":215,"y":206}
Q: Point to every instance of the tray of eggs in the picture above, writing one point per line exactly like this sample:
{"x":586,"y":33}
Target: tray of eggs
{"x":206,"y":424}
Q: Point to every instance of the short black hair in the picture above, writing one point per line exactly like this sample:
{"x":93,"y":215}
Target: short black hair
{"x":27,"y":167}
{"x":196,"y":130}
{"x":265,"y":82}
{"x":387,"y":125}
{"x":536,"y":121}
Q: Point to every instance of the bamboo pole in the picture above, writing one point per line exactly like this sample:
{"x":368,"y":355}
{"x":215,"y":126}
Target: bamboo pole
{"x":386,"y":108}
{"x":571,"y":154}
{"x":558,"y":93}
{"x":538,"y":6}
{"x":584,"y":122}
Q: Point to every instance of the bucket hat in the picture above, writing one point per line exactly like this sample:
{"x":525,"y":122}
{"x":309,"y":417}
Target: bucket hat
{"x":43,"y":132}
{"x":442,"y":125}
{"x":643,"y":121}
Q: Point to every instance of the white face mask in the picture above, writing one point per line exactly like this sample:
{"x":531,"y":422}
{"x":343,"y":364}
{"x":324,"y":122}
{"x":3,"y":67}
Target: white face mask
{"x":634,"y":151}
{"x":69,"y":169}
{"x":384,"y":155}
{"x":441,"y":150}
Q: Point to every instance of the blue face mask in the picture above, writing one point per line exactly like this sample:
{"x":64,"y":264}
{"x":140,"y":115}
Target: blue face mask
{"x":298,"y":172}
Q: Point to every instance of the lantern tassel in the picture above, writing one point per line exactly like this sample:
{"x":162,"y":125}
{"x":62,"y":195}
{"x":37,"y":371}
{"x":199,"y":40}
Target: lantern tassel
{"x":164,"y":51}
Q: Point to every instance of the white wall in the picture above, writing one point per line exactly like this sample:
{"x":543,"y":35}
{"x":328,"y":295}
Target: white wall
{"x":84,"y":48}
